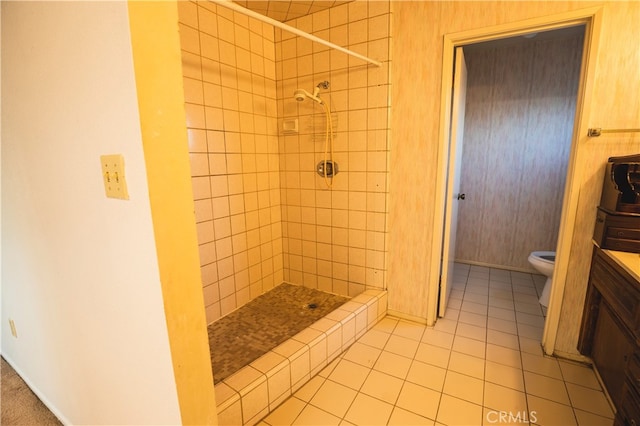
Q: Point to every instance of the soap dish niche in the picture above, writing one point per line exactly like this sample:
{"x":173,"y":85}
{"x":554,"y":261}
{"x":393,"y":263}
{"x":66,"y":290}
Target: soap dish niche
{"x":290,"y":126}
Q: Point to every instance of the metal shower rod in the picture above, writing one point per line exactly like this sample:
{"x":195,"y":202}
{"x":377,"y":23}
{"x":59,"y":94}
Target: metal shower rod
{"x":231,"y":5}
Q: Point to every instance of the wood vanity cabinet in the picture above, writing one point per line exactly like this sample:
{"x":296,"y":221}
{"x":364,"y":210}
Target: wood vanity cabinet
{"x":610,"y":334}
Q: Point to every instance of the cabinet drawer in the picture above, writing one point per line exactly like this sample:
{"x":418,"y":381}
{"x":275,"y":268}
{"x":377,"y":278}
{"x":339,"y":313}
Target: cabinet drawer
{"x":621,"y":244}
{"x":624,"y":233}
{"x":617,"y":231}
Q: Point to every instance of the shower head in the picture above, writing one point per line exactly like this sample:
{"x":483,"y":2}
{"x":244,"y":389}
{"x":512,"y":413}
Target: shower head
{"x":301,"y":94}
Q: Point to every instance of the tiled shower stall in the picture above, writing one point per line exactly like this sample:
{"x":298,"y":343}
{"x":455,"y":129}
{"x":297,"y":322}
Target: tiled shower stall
{"x":263,"y":214}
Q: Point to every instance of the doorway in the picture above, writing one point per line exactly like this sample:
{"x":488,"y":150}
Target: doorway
{"x":586,"y":20}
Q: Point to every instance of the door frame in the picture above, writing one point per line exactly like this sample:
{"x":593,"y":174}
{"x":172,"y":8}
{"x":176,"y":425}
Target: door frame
{"x":591,"y":18}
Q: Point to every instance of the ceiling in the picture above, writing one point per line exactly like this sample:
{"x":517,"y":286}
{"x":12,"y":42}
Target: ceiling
{"x":284,"y":10}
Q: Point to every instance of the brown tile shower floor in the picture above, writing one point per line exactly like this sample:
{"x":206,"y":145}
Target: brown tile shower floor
{"x":262,"y":324}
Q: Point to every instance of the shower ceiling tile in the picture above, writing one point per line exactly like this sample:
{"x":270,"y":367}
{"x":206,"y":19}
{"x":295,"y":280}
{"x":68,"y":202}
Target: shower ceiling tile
{"x":285,"y":10}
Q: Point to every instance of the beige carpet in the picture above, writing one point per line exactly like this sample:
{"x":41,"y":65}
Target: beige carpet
{"x":20,"y":406}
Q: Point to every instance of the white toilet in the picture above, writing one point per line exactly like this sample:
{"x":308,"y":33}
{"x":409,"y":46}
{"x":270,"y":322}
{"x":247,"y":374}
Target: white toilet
{"x":544,"y":262}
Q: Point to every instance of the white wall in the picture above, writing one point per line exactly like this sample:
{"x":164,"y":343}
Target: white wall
{"x":80,"y":275}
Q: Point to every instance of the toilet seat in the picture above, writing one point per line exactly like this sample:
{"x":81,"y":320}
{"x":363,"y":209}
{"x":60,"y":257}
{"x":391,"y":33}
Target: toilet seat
{"x":544,"y":256}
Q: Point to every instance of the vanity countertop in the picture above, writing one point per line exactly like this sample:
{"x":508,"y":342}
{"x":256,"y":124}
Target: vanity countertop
{"x":630,"y":262}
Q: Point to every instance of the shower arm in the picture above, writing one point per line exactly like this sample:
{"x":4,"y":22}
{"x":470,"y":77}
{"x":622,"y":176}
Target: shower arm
{"x":231,"y":5}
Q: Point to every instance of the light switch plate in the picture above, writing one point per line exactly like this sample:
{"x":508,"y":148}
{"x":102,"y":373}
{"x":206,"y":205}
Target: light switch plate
{"x":115,"y":184}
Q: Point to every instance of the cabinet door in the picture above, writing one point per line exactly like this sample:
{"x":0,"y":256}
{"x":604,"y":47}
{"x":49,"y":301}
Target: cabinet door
{"x":611,"y":350}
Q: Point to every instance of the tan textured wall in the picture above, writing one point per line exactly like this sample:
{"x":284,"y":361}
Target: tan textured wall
{"x":417,"y":33}
{"x":521,"y":101}
{"x":334,"y":238}
{"x":230,"y":91}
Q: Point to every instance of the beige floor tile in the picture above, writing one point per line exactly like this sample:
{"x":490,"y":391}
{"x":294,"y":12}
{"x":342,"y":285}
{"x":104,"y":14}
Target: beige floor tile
{"x":386,"y":324}
{"x":505,"y":326}
{"x":501,"y":303}
{"x":589,"y":400}
{"x":469,"y":346}
{"x":502,"y":282}
{"x":419,"y":400}
{"x":529,"y":308}
{"x":530,"y":331}
{"x":350,"y":374}
{"x":448,"y":326}
{"x":503,"y":314}
{"x":426,"y":375}
{"x":546,"y":387}
{"x":463,"y":387}
{"x":589,"y":419}
{"x":454,"y":411}
{"x":438,"y":338}
{"x":545,"y":412}
{"x":366,"y":410}
{"x":478,"y":287}
{"x":401,"y":417}
{"x":503,"y":339}
{"x":523,"y":288}
{"x":402,"y":346}
{"x":503,"y":355}
{"x":375,"y":338}
{"x":452,"y":314}
{"x":496,"y":293}
{"x":473,"y":307}
{"x":479,"y":320}
{"x":525,"y":298}
{"x":382,"y":386}
{"x":530,"y":319}
{"x":471,"y":331}
{"x":456,"y":293}
{"x":579,"y":374}
{"x":475,"y":298}
{"x":392,"y":364}
{"x":409,"y":330}
{"x":467,"y":364}
{"x":325,"y":372}
{"x":433,"y":355}
{"x":307,"y":391}
{"x":286,"y":413}
{"x":530,"y":346}
{"x":362,"y":354}
{"x":545,"y":365}
{"x":311,"y":415}
{"x":504,"y":399}
{"x":504,"y":375}
{"x":454,"y":304}
{"x":333,"y":398}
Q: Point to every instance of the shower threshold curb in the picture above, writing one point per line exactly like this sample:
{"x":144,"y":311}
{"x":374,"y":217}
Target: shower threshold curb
{"x":250,"y":394}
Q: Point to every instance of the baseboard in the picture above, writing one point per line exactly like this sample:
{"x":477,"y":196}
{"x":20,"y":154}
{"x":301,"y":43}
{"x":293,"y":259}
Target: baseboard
{"x":47,"y":403}
{"x":570,"y":356}
{"x":490,"y":265}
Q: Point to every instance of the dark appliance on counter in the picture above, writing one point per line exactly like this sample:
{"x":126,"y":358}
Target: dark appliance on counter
{"x":618,"y":216}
